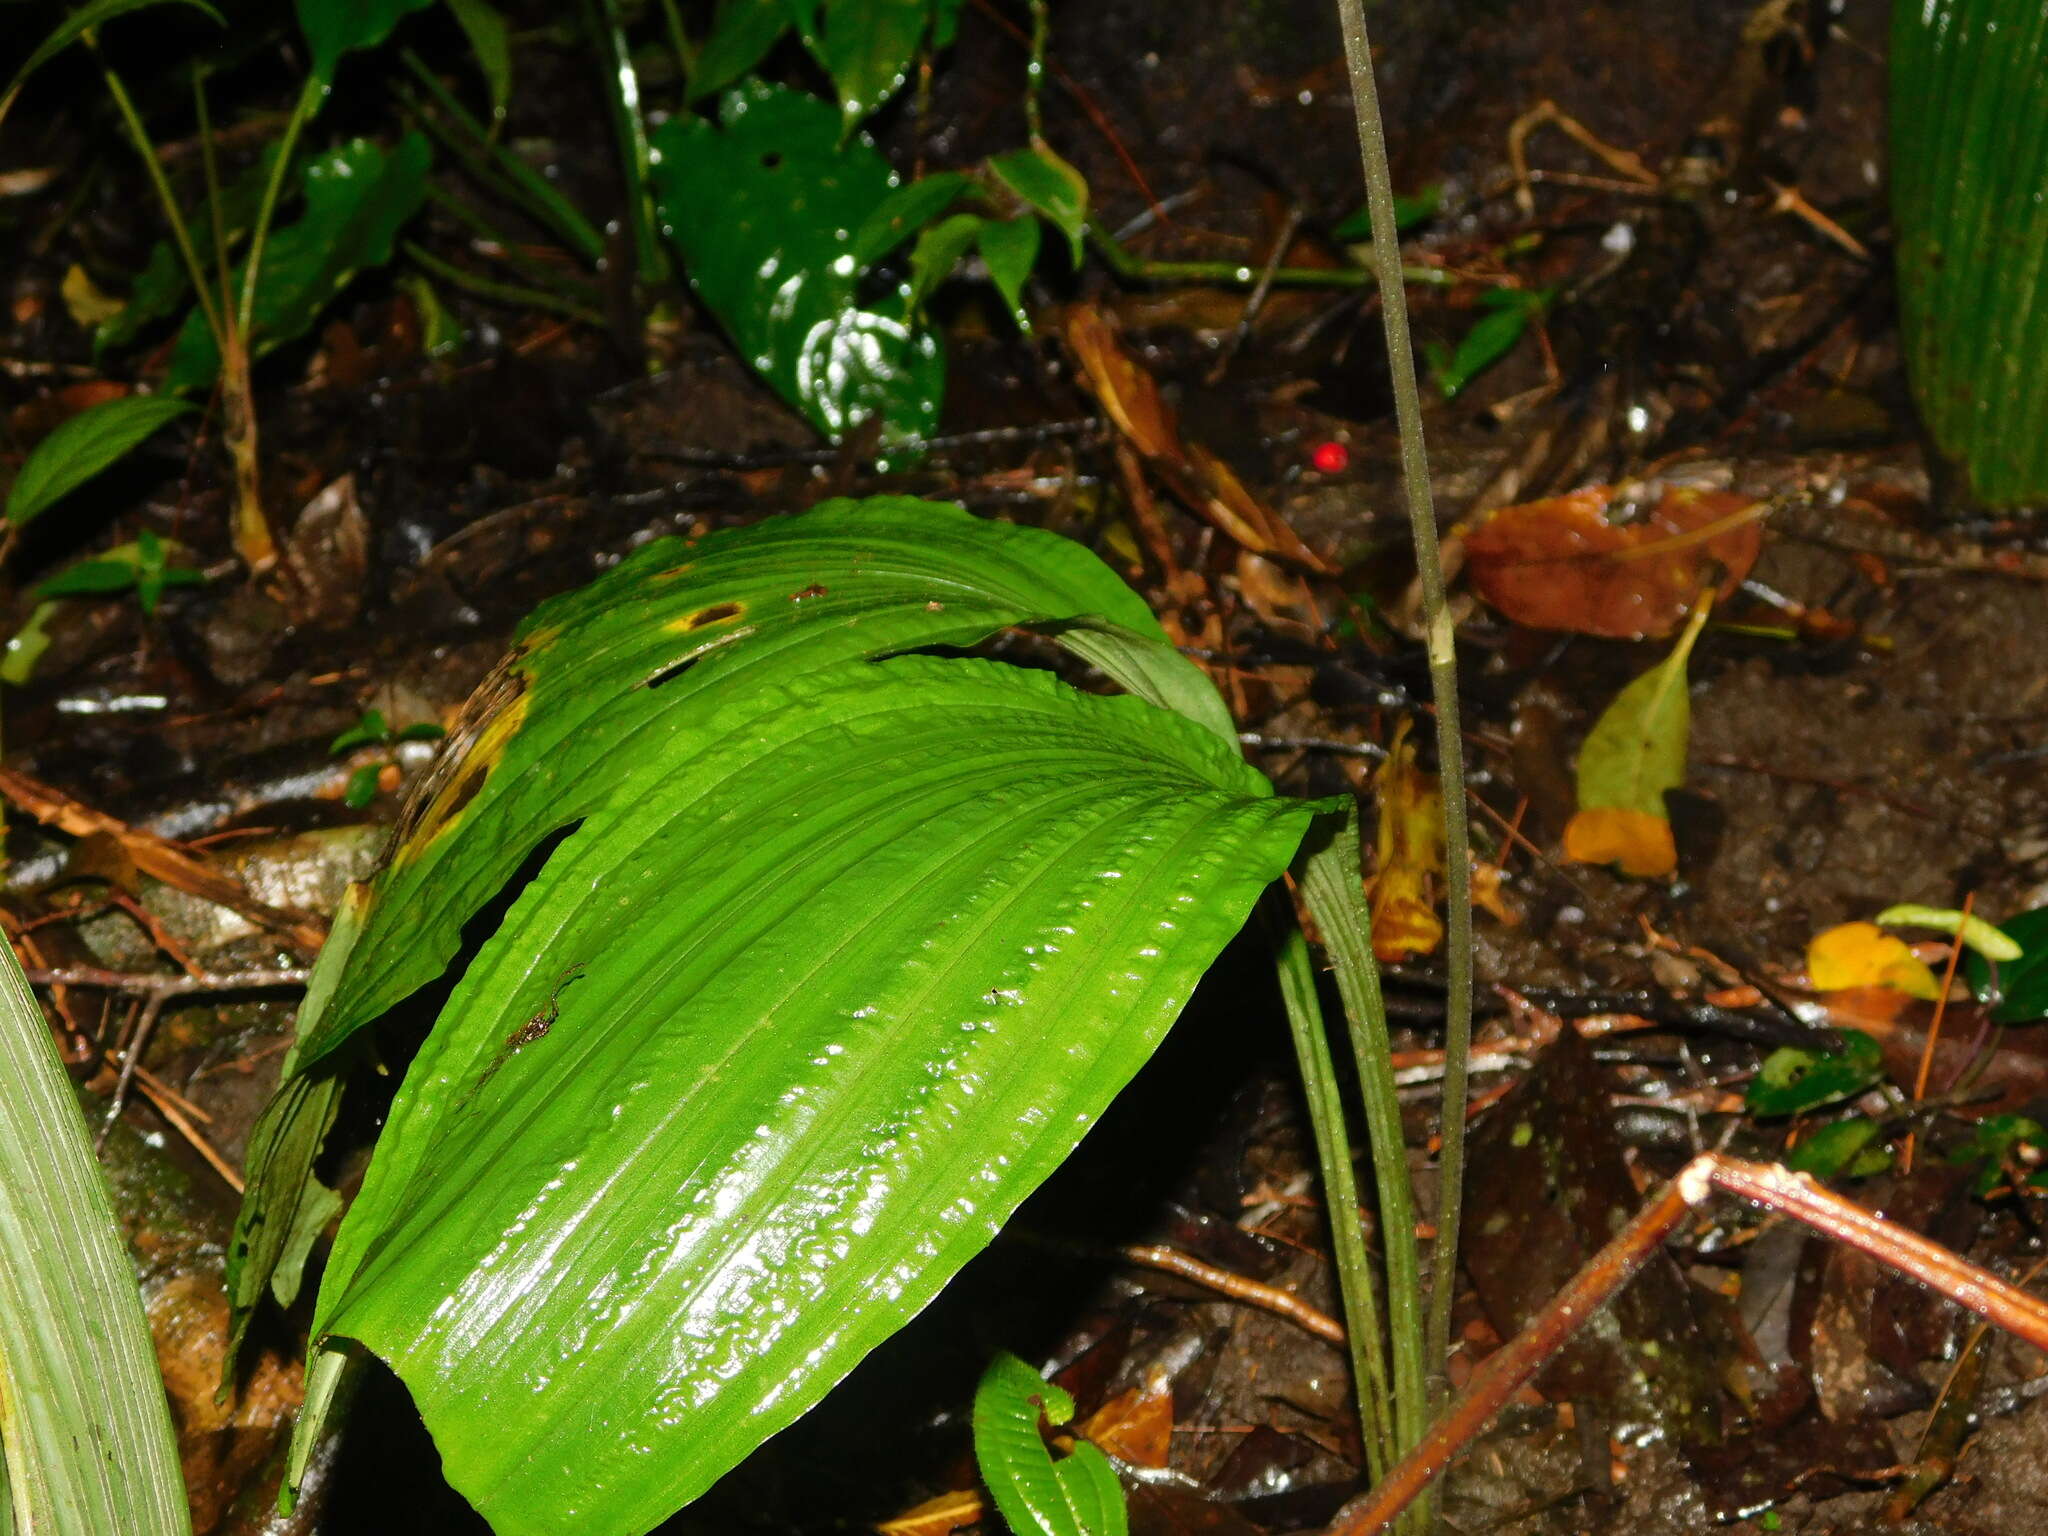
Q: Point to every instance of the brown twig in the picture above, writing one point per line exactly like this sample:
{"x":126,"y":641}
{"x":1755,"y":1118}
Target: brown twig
{"x":162,"y":858}
{"x":1252,"y":1292}
{"x":155,"y":992}
{"x":1796,"y":1195}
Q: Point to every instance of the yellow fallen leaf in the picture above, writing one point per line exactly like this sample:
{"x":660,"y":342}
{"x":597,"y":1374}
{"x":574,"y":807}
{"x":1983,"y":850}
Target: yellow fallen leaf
{"x":936,"y":1517}
{"x":1864,"y":955}
{"x":88,"y":306}
{"x":1402,"y":891}
{"x":1637,"y":841}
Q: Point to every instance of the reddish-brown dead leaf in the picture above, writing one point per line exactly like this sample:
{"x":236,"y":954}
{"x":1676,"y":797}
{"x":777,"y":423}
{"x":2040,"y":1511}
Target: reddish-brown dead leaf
{"x":1559,"y":564}
{"x":936,"y":1517}
{"x":1637,"y":841}
{"x":1131,"y":398}
{"x":1402,"y":891}
{"x":1136,"y":1425}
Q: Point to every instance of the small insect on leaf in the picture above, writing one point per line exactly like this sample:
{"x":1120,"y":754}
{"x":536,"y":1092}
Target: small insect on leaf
{"x":1864,"y":955}
{"x":1633,"y":755}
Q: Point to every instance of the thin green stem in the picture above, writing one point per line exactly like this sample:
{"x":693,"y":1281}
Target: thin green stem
{"x":678,"y":40}
{"x":181,"y":235}
{"x":506,"y":250}
{"x":527,"y":187}
{"x":1362,"y":1326}
{"x":502,"y":293}
{"x":1334,"y":889}
{"x":622,"y":94}
{"x":310,"y":97}
{"x":211,"y":165}
{"x":1239,"y":274}
{"x":1034,"y":72}
{"x":1443,"y":676}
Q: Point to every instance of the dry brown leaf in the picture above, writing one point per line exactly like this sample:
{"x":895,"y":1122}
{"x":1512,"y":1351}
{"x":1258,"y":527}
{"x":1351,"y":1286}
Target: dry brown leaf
{"x":1135,"y":1426}
{"x":1131,"y":398}
{"x":1410,"y":860}
{"x":1559,"y":564}
{"x":937,"y":1517}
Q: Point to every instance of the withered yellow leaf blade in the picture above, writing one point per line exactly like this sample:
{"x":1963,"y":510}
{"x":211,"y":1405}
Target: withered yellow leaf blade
{"x":1410,"y":860}
{"x":1639,"y":843}
{"x":937,"y":1517}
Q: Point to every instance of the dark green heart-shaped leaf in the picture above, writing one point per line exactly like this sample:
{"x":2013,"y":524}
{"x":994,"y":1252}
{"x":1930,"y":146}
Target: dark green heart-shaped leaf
{"x":1010,"y":247}
{"x":1047,"y":183}
{"x":763,"y":210}
{"x":2022,"y":984}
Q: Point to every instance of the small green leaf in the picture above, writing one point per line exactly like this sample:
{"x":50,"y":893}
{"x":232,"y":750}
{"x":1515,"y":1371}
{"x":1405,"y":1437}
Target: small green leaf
{"x":1792,"y":1081}
{"x":1046,"y":182}
{"x":2020,"y":986}
{"x":1491,"y":338}
{"x":866,"y":47}
{"x":358,"y":197}
{"x":90,"y":578}
{"x":425,"y":730}
{"x":370,"y":731}
{"x":336,"y":27}
{"x":1840,"y":1147}
{"x":490,"y":39}
{"x":76,"y":25}
{"x":905,"y":210}
{"x":1410,"y":209}
{"x":1988,"y":941}
{"x":124,"y":568}
{"x":361,"y":790}
{"x":741,"y":35}
{"x":1996,"y":1141}
{"x":1010,"y":247}
{"x":938,"y":251}
{"x":83,"y":446}
{"x":1077,"y":1496}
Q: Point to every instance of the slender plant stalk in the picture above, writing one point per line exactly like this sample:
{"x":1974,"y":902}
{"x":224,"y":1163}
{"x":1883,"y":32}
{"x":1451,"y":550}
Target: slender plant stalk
{"x":1034,"y":72}
{"x":1238,"y":274}
{"x":503,"y":248}
{"x":622,"y":94}
{"x":1334,"y":889}
{"x":532,"y":191}
{"x":1362,"y":1325}
{"x":514,"y":294}
{"x":1443,"y":677}
{"x":181,"y":235}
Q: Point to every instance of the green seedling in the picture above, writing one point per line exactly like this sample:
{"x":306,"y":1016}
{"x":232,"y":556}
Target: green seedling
{"x":372,"y":730}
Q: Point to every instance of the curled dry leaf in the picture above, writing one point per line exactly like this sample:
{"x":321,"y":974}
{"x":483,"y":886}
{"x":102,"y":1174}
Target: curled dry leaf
{"x":1560,"y":564}
{"x":1131,"y":397}
{"x":1135,"y":1426}
{"x":1402,"y":892}
{"x":937,"y":1517}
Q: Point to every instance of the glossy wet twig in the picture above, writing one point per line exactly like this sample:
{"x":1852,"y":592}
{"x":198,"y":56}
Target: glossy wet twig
{"x":1795,"y":1195}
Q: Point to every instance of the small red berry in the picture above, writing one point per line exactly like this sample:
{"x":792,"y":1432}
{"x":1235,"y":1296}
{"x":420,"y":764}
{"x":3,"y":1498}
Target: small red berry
{"x":1331,"y":458}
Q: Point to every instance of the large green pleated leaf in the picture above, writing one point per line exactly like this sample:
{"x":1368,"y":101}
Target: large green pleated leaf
{"x":767,"y":1052}
{"x":83,"y":1420}
{"x":1969,"y":137}
{"x":609,"y":686}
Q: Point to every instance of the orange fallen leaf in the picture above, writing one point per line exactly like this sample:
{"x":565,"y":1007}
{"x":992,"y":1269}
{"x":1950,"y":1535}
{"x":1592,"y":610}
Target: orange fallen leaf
{"x":1864,"y":955}
{"x":937,"y":1517}
{"x":1559,"y":564}
{"x":1135,"y":1426}
{"x":1637,"y":841}
{"x":1402,"y":891}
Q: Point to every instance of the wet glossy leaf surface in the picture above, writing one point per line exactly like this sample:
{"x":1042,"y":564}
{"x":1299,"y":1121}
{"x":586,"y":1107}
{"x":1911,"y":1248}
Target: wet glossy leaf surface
{"x":1047,"y":183}
{"x":2022,"y":984}
{"x":842,"y":959}
{"x":1076,"y":1496}
{"x":763,"y":209}
{"x":1791,"y":1080}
